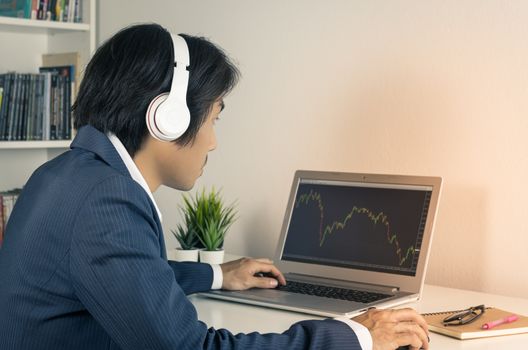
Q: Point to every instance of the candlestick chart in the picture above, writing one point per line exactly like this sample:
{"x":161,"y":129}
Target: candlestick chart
{"x":375,"y":218}
{"x":376,"y":229}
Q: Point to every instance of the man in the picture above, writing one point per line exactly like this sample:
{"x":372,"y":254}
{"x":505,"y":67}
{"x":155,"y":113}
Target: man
{"x":83,"y":265}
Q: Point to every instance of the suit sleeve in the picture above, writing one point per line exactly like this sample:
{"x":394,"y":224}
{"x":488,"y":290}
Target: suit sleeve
{"x":137,"y":297}
{"x":192,"y":277}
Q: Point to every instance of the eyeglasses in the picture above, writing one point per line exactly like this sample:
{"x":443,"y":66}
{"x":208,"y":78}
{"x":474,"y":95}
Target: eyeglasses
{"x":465,"y":316}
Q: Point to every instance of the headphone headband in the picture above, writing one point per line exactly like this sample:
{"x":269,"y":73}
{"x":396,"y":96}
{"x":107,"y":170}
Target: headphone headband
{"x":181,"y":52}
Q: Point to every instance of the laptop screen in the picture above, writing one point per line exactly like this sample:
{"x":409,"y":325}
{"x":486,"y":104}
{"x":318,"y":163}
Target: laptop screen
{"x":374,"y":227}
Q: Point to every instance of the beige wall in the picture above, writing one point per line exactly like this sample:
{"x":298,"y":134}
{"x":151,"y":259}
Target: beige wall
{"x":411,"y":87}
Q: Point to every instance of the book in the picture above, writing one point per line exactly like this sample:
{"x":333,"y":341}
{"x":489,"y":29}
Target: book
{"x":34,"y":8}
{"x":41,"y":9}
{"x":53,"y":108}
{"x":48,"y":10}
{"x":71,"y":59}
{"x":5,"y":104}
{"x":15,"y":8}
{"x":36,"y":106}
{"x":77,"y":17}
{"x":61,"y":108}
{"x":31,"y":108}
{"x":7,"y":202}
{"x":1,"y":219}
{"x":1,"y":98}
{"x":474,"y":329}
{"x":23,"y":113}
{"x":39,"y":117}
{"x":13,"y":107}
{"x":46,"y":97}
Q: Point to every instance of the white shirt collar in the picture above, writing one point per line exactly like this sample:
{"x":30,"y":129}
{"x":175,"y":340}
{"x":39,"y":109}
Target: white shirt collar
{"x":132,"y":168}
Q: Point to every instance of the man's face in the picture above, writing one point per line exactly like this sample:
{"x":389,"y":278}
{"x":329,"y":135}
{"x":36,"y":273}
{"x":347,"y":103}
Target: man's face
{"x":180,"y":166}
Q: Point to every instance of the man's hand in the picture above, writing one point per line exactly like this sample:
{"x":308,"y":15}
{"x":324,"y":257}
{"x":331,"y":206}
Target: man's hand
{"x":243,"y":274}
{"x":393,"y":328}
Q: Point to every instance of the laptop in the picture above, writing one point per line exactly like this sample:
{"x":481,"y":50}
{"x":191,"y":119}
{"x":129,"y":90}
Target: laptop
{"x":350,"y":242}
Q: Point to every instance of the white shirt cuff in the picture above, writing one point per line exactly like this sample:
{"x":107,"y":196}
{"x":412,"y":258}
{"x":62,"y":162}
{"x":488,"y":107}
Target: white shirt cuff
{"x":362,"y":333}
{"x":218,"y":276}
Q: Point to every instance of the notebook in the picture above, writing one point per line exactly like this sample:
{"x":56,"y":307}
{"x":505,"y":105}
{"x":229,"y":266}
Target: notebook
{"x":349,"y":242}
{"x":474,"y":329}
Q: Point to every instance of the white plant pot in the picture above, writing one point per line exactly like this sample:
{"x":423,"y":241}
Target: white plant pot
{"x":179,"y":254}
{"x":212,"y":257}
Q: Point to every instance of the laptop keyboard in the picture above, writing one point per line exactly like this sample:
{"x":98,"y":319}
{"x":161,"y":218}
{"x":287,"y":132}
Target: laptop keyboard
{"x":333,"y":292}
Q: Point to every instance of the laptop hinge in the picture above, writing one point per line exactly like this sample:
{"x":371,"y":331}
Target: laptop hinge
{"x":332,"y":282}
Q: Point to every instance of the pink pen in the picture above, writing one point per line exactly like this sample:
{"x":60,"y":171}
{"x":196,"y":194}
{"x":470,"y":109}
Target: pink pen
{"x":509,"y":319}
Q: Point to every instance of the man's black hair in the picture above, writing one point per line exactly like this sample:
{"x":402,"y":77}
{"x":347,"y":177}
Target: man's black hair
{"x":136,"y":65}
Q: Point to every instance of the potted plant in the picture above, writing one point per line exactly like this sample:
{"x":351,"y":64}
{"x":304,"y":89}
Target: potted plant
{"x":188,"y":240}
{"x":208,"y":216}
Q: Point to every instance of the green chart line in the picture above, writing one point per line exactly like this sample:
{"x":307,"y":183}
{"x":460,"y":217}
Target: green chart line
{"x":340,"y":225}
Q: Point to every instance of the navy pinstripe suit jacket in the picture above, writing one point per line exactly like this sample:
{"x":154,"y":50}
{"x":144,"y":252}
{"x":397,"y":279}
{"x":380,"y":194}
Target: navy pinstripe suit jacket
{"x":83,"y":266}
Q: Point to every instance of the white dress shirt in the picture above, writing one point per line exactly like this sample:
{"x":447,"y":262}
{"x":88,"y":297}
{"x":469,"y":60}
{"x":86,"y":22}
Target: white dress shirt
{"x":363,"y":334}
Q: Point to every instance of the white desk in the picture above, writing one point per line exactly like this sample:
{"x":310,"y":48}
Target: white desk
{"x":247,"y":318}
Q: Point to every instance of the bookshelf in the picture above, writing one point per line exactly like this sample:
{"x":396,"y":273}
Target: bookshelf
{"x":33,"y":26}
{"x":7,"y":145}
{"x":27,"y":40}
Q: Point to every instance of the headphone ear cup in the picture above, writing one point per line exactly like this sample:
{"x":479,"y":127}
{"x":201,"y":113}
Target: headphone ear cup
{"x":167,"y":118}
{"x":151,"y":117}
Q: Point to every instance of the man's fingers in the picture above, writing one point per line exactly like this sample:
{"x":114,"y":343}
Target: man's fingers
{"x":412,"y":316}
{"x":278,"y":275}
{"x":264,"y":260}
{"x":264,"y":282}
{"x":410,"y":339}
{"x":413,"y":329}
{"x":274,"y":271}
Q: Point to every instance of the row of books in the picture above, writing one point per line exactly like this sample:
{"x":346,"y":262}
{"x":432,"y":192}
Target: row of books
{"x":36,"y":106}
{"x":7,"y":202}
{"x":49,"y":10}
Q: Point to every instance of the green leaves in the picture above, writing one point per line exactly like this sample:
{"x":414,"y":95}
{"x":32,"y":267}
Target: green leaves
{"x":187,"y":238}
{"x":206,"y":220}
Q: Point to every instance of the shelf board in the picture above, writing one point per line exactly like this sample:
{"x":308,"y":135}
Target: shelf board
{"x":32,"y":25}
{"x":34,"y":144}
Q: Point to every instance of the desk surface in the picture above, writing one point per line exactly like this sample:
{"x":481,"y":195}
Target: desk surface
{"x":247,"y":318}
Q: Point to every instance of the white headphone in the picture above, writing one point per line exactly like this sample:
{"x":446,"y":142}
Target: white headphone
{"x":168,"y":116}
